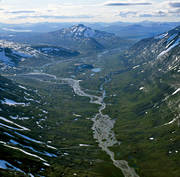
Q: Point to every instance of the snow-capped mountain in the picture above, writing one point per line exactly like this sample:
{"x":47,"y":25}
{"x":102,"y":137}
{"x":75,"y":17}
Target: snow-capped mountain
{"x":82,"y":31}
{"x":11,"y":53}
{"x":158,"y":59}
{"x":162,"y":50}
{"x":83,"y":37}
{"x":169,"y":40}
{"x":169,"y":55}
{"x":78,"y":37}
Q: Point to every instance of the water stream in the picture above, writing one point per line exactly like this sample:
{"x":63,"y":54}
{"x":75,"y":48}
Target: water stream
{"x":102,"y":124}
{"x":103,"y":127}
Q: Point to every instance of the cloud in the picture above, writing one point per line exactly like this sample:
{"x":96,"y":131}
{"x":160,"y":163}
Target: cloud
{"x":22,"y":12}
{"x":102,"y":11}
{"x":16,"y":30}
{"x":127,"y":4}
{"x":54,"y":17}
{"x":175,"y":4}
{"x":154,"y":14}
{"x":174,"y":12}
{"x":126,"y":14}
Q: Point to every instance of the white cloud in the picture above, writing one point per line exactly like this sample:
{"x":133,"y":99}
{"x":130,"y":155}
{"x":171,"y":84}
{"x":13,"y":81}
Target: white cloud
{"x":127,"y":3}
{"x":22,"y":12}
{"x":107,"y":11}
{"x":175,"y":4}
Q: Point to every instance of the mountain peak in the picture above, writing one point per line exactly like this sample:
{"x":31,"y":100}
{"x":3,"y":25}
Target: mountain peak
{"x":81,"y":30}
{"x":81,"y":25}
{"x":82,"y":38}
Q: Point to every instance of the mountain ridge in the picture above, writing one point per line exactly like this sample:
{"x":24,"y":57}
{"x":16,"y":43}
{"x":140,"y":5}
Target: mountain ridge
{"x":77,"y":37}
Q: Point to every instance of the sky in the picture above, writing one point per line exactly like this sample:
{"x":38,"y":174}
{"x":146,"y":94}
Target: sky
{"x":34,"y":11}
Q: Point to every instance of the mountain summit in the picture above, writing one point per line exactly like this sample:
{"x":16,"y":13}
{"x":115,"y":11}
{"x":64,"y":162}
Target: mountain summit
{"x":82,"y":31}
{"x":81,"y":37}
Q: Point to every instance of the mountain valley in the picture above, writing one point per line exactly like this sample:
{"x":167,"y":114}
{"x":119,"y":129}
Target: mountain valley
{"x":87,"y":103}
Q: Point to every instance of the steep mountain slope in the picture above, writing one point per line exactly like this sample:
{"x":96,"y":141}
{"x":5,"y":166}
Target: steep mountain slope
{"x":39,"y":112}
{"x":157,"y":48}
{"x":160,"y":54}
{"x":144,"y":97}
{"x":160,"y":58}
{"x":20,"y":151}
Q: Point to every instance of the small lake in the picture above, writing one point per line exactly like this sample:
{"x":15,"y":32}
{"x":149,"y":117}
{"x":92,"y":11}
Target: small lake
{"x":96,"y":70}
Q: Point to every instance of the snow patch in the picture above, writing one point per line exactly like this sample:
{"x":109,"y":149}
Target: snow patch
{"x":11,"y":102}
{"x":25,"y":152}
{"x":20,"y":86}
{"x":168,"y":49}
{"x":8,"y":121}
{"x":84,"y":145}
{"x":161,"y":36}
{"x":174,"y":93}
{"x":136,"y":66}
{"x":7,"y":166}
{"x":96,"y":70}
{"x":171,"y":37}
{"x":141,"y":88}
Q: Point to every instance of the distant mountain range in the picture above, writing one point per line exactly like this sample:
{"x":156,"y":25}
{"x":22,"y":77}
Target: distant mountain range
{"x":97,"y":36}
{"x":78,"y":37}
{"x":137,"y":31}
{"x":134,"y":31}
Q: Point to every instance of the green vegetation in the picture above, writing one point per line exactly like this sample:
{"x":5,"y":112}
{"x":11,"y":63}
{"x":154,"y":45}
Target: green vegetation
{"x":139,"y":98}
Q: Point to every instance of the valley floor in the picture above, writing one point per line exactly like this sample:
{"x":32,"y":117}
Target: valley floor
{"x":113,"y":121}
